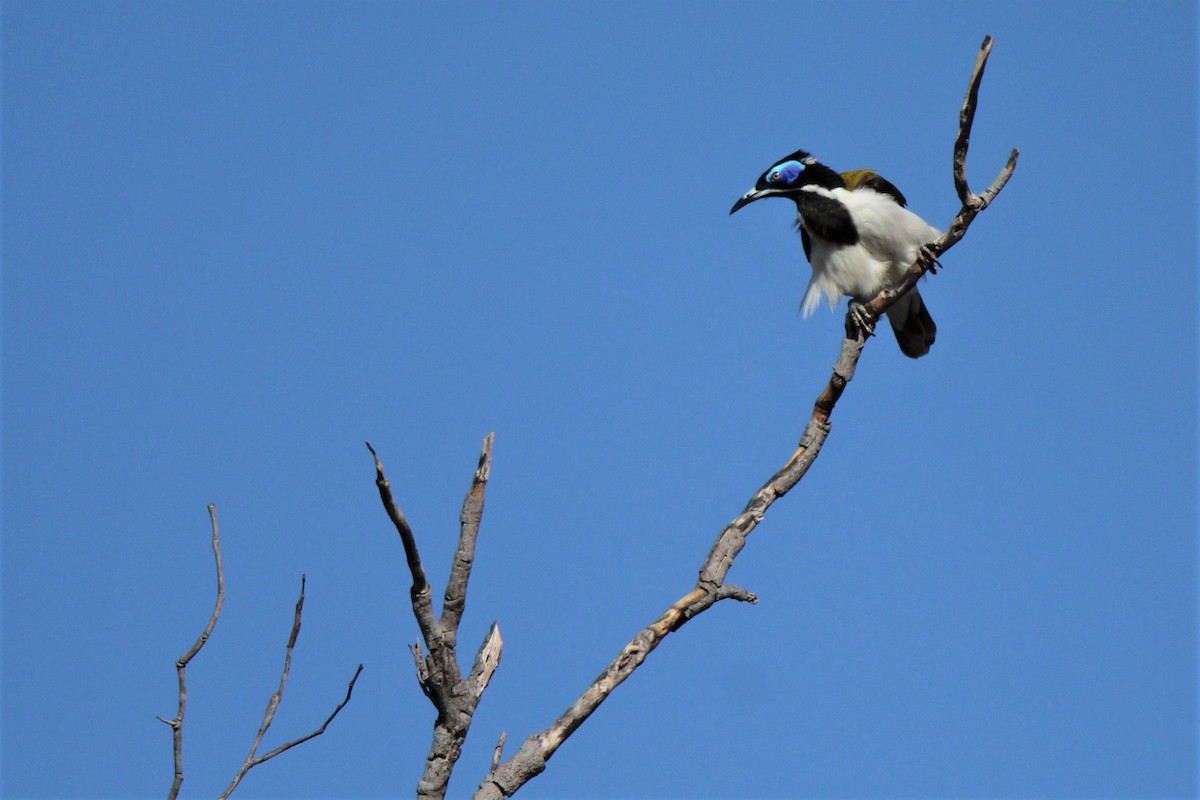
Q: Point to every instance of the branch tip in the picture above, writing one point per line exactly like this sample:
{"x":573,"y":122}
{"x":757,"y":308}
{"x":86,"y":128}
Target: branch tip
{"x":731,"y":592}
{"x":499,"y":751}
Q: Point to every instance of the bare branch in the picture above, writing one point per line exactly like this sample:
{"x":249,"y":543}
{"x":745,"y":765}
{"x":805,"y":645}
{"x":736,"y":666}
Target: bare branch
{"x":972,"y":204}
{"x":486,"y":660}
{"x":181,"y":665}
{"x":439,"y":674}
{"x":273,"y":705}
{"x":966,"y":118}
{"x":460,"y":572}
{"x":530,"y":759}
{"x":422,"y":602}
{"x":311,"y":735}
{"x":499,"y":751}
{"x":731,"y":592}
{"x":422,"y":668}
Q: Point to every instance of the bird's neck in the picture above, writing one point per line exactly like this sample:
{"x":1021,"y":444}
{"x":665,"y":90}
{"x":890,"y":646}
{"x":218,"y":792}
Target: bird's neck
{"x":820,"y":175}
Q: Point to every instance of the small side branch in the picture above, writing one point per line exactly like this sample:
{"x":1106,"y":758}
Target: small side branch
{"x":530,"y":759}
{"x":499,"y":751}
{"x":176,"y":724}
{"x":487,"y":659}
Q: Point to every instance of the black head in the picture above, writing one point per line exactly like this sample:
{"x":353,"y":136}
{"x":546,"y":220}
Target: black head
{"x":787,"y":176}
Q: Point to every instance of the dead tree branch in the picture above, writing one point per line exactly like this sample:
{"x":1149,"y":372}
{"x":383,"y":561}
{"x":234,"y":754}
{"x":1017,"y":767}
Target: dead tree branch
{"x":176,"y":724}
{"x":438,"y":673}
{"x":273,"y":704}
{"x":972,"y":203}
{"x":530,"y":759}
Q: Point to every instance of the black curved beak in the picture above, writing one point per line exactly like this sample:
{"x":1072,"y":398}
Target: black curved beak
{"x":752,"y":195}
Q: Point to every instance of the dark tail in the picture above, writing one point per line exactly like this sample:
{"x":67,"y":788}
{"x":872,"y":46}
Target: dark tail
{"x":912,"y":324}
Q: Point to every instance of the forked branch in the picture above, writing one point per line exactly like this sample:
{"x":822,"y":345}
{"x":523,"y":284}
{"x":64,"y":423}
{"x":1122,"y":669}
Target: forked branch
{"x":454,"y":696}
{"x":530,"y":759}
{"x":253,"y":760}
{"x":971,"y":203}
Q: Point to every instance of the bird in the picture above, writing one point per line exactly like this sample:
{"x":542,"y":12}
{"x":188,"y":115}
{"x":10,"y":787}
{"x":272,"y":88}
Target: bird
{"x":859,"y":237}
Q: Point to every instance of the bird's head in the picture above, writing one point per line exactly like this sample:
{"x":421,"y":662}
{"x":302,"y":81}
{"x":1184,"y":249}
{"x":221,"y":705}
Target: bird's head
{"x":788,"y":176}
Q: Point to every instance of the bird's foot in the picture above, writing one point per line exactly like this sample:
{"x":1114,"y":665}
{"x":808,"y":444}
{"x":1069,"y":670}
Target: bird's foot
{"x":858,"y":321}
{"x":926,"y":252}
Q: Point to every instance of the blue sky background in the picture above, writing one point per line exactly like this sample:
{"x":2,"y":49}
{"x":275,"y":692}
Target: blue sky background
{"x":241,"y":238}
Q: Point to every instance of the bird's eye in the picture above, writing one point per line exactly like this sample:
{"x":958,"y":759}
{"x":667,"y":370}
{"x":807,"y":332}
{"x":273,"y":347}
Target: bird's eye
{"x":787,"y":172}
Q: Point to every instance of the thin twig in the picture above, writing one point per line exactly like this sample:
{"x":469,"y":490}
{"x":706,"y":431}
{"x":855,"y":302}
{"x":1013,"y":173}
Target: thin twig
{"x":499,"y":751}
{"x":176,"y":724}
{"x":255,"y":761}
{"x":318,"y":731}
{"x":530,"y":759}
{"x":402,"y":526}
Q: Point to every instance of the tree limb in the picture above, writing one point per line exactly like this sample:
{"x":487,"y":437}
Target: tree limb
{"x":455,"y":599}
{"x":530,"y":759}
{"x":176,"y":724}
{"x":421,"y":601}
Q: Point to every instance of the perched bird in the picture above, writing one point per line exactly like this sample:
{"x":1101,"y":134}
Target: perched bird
{"x":858,"y":237}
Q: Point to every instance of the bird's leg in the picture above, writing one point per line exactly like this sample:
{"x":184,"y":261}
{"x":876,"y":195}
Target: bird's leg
{"x":858,"y":321}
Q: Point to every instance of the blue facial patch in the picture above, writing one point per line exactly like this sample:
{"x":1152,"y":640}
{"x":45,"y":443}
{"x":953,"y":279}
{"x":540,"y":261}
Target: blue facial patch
{"x":784,"y":173}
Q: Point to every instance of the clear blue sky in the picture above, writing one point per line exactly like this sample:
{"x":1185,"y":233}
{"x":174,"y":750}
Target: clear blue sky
{"x":241,"y":238}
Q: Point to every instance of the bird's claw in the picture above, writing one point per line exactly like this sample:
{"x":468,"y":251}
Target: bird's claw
{"x":926,"y":252}
{"x":858,"y":321}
